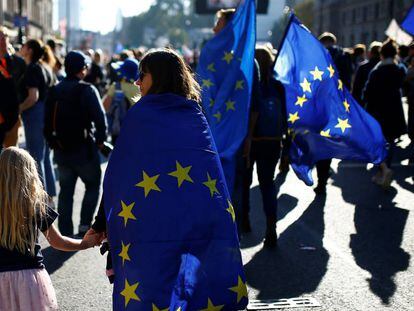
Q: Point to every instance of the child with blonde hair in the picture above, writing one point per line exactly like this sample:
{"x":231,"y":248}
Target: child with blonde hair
{"x":24,"y":282}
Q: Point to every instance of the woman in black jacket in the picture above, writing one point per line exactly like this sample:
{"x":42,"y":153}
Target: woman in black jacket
{"x":382,"y":94}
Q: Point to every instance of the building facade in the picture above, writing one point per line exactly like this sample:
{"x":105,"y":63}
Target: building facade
{"x":36,"y":16}
{"x":358,"y":21}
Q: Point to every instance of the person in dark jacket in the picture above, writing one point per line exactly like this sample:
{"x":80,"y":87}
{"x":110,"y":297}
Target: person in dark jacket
{"x":77,"y":159}
{"x":12,"y":69}
{"x":344,"y":65}
{"x":383,"y":97}
{"x":266,"y":145}
{"x":362,"y":73}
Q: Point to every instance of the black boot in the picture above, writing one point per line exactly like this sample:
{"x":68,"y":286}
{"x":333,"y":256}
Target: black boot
{"x":271,"y":236}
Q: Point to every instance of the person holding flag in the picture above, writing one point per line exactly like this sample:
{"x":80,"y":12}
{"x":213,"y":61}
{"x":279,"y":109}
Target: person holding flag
{"x":170,"y":222}
{"x":230,"y":81}
{"x":323,"y":118}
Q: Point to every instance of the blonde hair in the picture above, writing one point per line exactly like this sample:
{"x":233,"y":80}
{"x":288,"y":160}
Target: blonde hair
{"x":22,"y":200}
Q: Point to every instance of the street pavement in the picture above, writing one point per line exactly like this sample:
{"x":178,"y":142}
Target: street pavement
{"x":349,"y":250}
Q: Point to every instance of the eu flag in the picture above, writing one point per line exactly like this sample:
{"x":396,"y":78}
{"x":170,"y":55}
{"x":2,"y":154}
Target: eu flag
{"x":408,"y":22}
{"x":170,"y":221}
{"x":324,"y":120}
{"x":225,"y":72}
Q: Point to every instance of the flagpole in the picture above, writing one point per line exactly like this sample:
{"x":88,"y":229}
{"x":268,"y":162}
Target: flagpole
{"x":284,"y":37}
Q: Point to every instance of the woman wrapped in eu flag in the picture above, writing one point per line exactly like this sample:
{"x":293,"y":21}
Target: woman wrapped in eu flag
{"x":170,"y":222}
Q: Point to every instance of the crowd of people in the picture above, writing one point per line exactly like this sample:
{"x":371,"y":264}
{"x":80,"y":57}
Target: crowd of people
{"x":74,"y":107}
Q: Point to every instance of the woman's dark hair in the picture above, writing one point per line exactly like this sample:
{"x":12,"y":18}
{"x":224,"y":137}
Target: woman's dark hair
{"x":41,"y":52}
{"x":169,"y":74}
{"x":265,"y":59}
{"x":389,"y":49}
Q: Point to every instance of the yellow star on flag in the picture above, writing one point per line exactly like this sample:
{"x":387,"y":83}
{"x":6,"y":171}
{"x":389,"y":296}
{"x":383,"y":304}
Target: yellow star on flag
{"x":306,"y":86}
{"x":129,"y":292}
{"x":293,"y":117}
{"x":155,"y":308}
{"x":149,"y":183}
{"x":230,"y":209}
{"x":211,"y":184}
{"x":317,"y":74}
{"x":230,"y":105}
{"x":228,"y":57}
{"x":212,"y":307}
{"x":181,"y":173}
{"x":212,"y":102}
{"x":340,"y":85}
{"x":211,"y":67}
{"x":217,"y":116}
{"x":346,"y":105}
{"x":301,"y":100}
{"x":331,"y":71}
{"x":124,"y":253}
{"x":126,"y":212}
{"x":207,"y":83}
{"x":326,"y":133}
{"x":343,"y":125}
{"x":240,"y":289}
{"x":240,"y":85}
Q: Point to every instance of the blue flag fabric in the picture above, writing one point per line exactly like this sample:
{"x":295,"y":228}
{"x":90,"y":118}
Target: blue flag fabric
{"x":225,"y":72}
{"x":170,"y":221}
{"x":408,"y":23}
{"x":324,"y":120}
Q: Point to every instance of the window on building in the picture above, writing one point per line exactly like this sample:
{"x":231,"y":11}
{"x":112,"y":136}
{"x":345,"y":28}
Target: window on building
{"x":353,"y":16}
{"x":343,"y":18}
{"x":364,"y":13}
{"x":352,"y":40}
{"x":376,"y":10}
{"x":374,"y":35}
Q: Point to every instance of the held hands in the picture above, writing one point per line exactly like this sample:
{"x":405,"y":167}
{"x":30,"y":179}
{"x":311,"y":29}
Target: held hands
{"x":92,"y":238}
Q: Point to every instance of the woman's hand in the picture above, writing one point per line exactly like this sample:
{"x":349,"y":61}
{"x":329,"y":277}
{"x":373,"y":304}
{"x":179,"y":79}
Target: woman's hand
{"x":92,"y":238}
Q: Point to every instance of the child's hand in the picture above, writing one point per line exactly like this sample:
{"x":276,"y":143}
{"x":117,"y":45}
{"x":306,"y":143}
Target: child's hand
{"x":92,"y":238}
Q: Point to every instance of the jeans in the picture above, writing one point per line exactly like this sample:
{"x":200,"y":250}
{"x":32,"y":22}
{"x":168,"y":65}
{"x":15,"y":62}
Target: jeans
{"x":33,"y":121}
{"x":90,"y":174}
{"x":266,"y":154}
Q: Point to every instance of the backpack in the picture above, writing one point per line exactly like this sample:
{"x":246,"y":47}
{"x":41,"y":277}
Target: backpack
{"x":66,"y":120}
{"x":272,"y":120}
{"x":118,"y":110}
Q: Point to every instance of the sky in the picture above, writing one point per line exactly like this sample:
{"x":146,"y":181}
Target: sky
{"x":101,"y":15}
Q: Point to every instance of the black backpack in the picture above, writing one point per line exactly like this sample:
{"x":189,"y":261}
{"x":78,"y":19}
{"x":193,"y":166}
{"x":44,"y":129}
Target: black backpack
{"x":272,"y":117}
{"x":67,"y":123}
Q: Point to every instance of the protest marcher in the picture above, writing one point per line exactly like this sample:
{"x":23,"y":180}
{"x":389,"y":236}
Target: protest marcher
{"x":188,"y":244}
{"x":344,"y":65}
{"x":24,"y":281}
{"x":96,"y":74}
{"x":266,"y":145}
{"x":121,"y":95}
{"x":38,"y":79}
{"x":75,"y":128}
{"x":383,"y":97}
{"x":224,"y":17}
{"x":12,"y":69}
{"x":362,"y":73}
{"x":409,"y":92}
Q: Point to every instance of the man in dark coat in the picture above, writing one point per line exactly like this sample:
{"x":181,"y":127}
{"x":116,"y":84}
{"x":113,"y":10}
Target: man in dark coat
{"x":362,"y":73}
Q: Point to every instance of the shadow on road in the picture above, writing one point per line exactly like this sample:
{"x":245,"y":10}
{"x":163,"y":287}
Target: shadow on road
{"x":55,"y":259}
{"x":286,"y":203}
{"x":300,"y":262}
{"x":379,"y":225}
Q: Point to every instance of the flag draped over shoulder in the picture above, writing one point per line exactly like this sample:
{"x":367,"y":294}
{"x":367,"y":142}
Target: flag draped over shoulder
{"x":408,"y":22}
{"x":170,"y":221}
{"x":323,"y":118}
{"x":225,"y":72}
